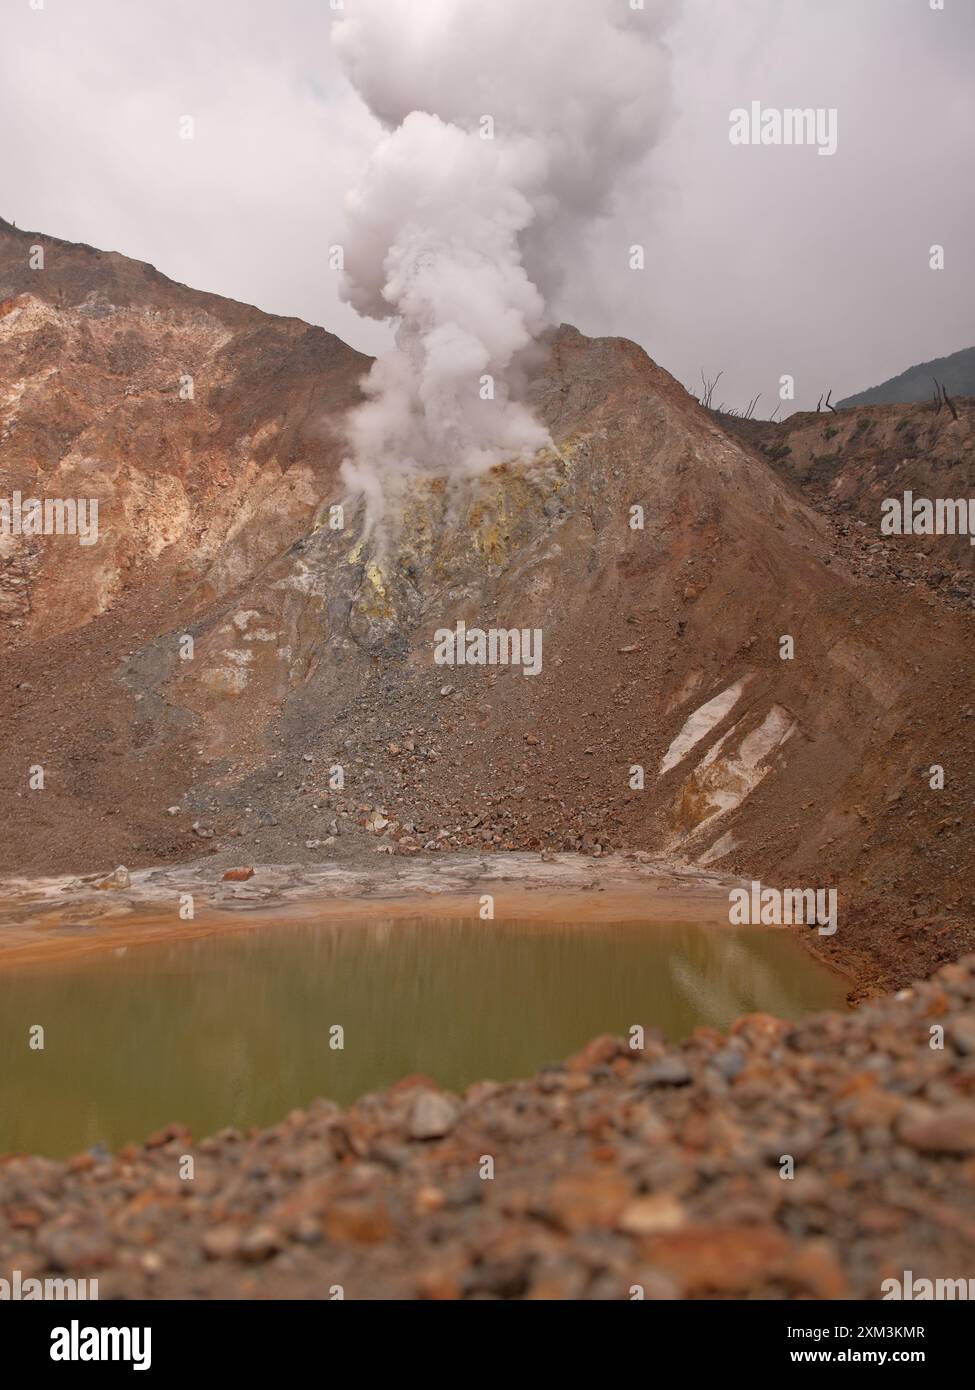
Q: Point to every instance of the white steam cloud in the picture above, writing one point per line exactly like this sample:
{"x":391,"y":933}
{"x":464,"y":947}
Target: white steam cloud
{"x":509,"y":122}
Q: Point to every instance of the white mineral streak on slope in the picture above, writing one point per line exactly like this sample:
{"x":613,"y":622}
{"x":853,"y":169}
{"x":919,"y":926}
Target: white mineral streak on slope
{"x":722,"y":846}
{"x":233,"y":678}
{"x":726,"y":781}
{"x":700,"y":723}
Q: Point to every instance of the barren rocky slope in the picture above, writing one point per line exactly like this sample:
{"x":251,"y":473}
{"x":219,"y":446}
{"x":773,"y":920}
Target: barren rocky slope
{"x":846,"y":462}
{"x":657,"y":1170}
{"x":313,"y":648}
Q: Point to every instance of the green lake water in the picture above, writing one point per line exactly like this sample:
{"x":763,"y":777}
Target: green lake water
{"x":235,"y":1031}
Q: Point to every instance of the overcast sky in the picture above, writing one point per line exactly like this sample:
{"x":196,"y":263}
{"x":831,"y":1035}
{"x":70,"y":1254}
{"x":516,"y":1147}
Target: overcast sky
{"x":761,"y":261}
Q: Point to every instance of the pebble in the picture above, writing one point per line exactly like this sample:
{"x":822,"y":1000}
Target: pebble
{"x":222,"y":1243}
{"x":661,"y":1212}
{"x":260,"y":1243}
{"x":121,"y":878}
{"x":961,"y":1031}
{"x":433,"y":1115}
{"x":947,"y":1131}
{"x":669,"y":1071}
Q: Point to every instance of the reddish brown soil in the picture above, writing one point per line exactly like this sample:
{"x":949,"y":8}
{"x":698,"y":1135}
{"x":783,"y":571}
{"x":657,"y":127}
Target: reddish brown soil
{"x":312,"y":649}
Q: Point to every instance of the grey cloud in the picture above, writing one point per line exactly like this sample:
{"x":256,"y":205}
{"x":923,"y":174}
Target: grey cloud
{"x":760,"y":261}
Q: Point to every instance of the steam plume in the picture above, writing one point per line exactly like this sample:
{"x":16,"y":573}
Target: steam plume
{"x":508,"y":123}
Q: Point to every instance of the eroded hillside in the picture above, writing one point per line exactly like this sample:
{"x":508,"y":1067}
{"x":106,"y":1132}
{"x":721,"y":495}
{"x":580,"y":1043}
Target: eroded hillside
{"x":312,"y":647}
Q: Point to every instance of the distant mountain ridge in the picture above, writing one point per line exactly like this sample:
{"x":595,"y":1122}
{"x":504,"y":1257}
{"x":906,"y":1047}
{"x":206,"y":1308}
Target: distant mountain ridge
{"x":957,"y":373}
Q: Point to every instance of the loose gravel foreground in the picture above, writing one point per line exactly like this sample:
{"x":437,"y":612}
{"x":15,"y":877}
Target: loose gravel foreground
{"x":662,"y":1170}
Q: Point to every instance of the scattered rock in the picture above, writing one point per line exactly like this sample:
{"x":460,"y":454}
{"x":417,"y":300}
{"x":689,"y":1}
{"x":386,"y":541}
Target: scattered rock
{"x":433,"y":1115}
{"x":647,"y":1215}
{"x":121,"y":878}
{"x":961,"y":1032}
{"x":658,"y":1168}
{"x":669,"y":1071}
{"x":222,"y":1243}
{"x":947,"y":1131}
{"x":260,"y":1243}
